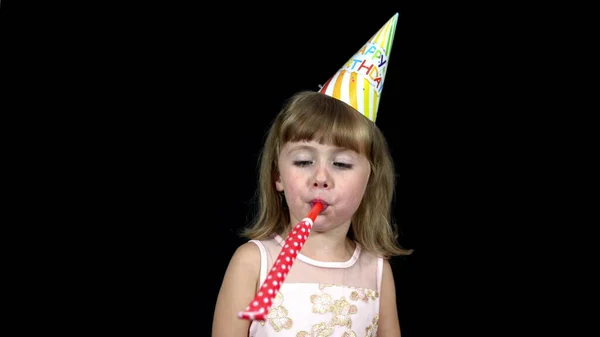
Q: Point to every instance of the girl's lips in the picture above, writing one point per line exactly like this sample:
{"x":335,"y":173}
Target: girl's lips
{"x":313,"y":202}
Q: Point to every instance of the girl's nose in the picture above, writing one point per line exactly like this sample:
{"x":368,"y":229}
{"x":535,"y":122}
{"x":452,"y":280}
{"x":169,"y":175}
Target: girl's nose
{"x":322,"y":178}
{"x":320,"y":184}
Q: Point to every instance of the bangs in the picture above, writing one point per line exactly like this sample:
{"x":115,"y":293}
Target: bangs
{"x":328,"y":121}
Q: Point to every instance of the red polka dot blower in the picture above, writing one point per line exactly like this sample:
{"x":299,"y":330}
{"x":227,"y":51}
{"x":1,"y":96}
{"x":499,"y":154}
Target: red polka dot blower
{"x":258,"y":309}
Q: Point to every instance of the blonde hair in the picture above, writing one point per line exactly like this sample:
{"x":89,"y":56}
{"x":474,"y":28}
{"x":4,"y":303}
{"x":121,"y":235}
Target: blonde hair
{"x":315,"y":116}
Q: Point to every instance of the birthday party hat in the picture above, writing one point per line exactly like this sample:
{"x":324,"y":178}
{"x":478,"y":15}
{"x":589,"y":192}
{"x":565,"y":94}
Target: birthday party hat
{"x":359,"y":82}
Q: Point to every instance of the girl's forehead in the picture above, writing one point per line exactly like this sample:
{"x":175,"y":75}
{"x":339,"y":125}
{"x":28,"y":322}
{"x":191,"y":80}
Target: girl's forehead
{"x":312,"y":145}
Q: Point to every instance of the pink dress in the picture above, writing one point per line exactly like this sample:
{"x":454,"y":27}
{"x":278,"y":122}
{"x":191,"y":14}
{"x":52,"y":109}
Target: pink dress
{"x":322,"y":299}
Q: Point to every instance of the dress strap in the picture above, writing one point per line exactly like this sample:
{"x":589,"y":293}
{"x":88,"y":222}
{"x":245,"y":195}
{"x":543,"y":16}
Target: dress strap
{"x":263,"y":275}
{"x":263,"y":260}
{"x":379,"y":273}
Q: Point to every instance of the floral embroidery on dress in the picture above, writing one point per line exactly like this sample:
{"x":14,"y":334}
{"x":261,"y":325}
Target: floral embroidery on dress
{"x":342,"y":310}
{"x":364,"y":294}
{"x":278,"y":315}
{"x":372,"y":329}
{"x":321,"y":303}
{"x":358,"y":294}
{"x":337,"y":313}
{"x":323,"y":286}
{"x":318,"y":330}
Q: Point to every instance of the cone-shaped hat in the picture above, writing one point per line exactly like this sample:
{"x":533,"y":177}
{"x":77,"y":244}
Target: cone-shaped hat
{"x":360,"y":81}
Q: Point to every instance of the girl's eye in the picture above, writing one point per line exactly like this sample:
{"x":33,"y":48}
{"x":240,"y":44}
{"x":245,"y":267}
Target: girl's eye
{"x":302,"y":163}
{"x":342,"y":165}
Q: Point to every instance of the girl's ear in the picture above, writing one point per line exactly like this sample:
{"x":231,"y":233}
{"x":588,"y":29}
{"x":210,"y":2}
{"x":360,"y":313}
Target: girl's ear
{"x":278,"y":182}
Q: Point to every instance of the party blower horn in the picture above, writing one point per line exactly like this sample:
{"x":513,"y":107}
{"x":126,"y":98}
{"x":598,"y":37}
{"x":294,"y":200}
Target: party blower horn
{"x":258,"y":309}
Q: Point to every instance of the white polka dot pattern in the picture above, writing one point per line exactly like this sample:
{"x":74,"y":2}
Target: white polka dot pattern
{"x":258,"y":309}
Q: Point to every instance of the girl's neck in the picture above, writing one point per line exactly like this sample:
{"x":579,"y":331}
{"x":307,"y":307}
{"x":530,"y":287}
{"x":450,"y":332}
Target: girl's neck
{"x":328,"y":246}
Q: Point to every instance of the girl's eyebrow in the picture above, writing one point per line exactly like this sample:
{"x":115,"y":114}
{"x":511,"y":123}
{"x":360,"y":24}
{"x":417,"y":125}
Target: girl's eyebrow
{"x":300,"y":147}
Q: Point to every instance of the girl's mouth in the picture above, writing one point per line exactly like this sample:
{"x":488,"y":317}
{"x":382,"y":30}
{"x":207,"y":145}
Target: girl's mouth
{"x":314,"y":201}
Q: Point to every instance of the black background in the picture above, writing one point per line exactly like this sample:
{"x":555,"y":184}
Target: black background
{"x":216,"y":93}
{"x":161,"y":109}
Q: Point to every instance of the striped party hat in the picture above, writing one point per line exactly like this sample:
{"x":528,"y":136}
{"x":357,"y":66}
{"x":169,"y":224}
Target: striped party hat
{"x":360,"y":81}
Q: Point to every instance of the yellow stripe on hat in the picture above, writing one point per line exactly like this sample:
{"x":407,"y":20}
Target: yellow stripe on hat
{"x":388,"y":46}
{"x":353,"y":93}
{"x":377,"y":36}
{"x":375,"y":104}
{"x":383,"y":35}
{"x":337,"y":87}
{"x":367,"y":94}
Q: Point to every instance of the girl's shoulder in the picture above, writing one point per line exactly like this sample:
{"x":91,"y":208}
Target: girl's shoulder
{"x":269,"y":243}
{"x":250,"y":251}
{"x":247,"y":257}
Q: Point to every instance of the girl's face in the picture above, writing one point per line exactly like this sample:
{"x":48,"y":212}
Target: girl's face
{"x":309,"y":171}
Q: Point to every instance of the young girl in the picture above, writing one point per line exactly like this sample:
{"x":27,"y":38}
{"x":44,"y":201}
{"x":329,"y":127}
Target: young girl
{"x":319,"y":149}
